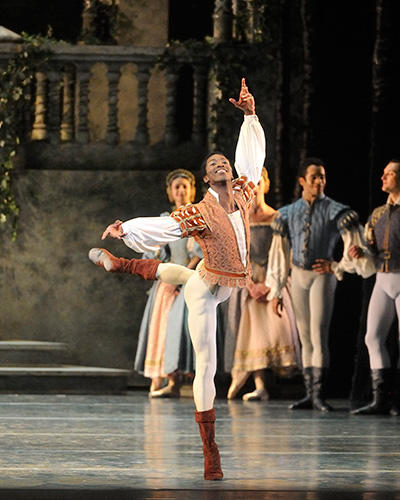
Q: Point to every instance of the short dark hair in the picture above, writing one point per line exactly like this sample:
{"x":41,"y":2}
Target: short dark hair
{"x":311,"y":160}
{"x":204,"y":162}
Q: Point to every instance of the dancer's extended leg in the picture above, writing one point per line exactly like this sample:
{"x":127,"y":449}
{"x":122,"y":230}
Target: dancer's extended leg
{"x":149,"y":269}
{"x":174,"y":274}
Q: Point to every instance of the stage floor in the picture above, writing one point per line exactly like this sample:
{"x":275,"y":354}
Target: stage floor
{"x":131,"y":446}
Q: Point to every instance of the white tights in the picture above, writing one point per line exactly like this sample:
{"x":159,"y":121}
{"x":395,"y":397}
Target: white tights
{"x":202,"y":322}
{"x":173,"y":274}
{"x":313,"y":298}
{"x":383,"y":306}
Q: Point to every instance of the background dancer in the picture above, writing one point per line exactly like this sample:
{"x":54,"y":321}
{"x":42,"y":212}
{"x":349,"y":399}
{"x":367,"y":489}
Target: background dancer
{"x":310,"y":229}
{"x":255,"y":338}
{"x":164,"y":346}
{"x":383,"y":238}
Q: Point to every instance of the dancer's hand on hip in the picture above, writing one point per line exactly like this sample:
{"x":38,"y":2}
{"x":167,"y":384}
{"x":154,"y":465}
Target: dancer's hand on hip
{"x":322,"y":266}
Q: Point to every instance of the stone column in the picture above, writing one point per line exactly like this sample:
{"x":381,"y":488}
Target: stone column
{"x":143,"y":76}
{"x":39,"y":129}
{"x":223,"y":19}
{"x":67,"y":120}
{"x":113,"y":76}
{"x":199,"y":102}
{"x":53,"y":116}
{"x":171,"y":130}
{"x":88,"y":31}
{"x":83,"y":77}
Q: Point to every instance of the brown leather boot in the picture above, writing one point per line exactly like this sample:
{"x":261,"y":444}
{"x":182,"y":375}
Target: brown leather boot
{"x":212,"y":463}
{"x":146,"y":268}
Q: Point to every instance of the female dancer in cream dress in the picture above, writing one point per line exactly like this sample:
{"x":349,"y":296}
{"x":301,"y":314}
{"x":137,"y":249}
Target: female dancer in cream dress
{"x":257,"y":339}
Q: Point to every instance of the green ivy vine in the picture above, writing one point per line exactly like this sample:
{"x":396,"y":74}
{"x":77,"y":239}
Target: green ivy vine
{"x":15,"y":99}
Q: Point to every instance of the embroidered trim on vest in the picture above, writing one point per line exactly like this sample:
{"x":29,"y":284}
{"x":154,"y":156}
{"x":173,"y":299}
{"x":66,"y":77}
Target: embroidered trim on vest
{"x":189,"y":219}
{"x":222,"y":278}
{"x":247,"y":187}
{"x":370,"y":225}
{"x":200,"y":220}
{"x":377,"y":214}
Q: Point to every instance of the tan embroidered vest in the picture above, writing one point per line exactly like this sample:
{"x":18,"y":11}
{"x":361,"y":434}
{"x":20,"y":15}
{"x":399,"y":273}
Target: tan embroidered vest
{"x":209,"y":223}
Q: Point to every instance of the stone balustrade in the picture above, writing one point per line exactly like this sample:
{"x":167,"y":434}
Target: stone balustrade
{"x":62,"y":131}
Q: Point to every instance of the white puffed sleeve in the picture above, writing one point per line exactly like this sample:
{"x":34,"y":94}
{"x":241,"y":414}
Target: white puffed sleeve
{"x":364,"y":266}
{"x":145,"y":234}
{"x":250,"y":149}
{"x":278,"y":266}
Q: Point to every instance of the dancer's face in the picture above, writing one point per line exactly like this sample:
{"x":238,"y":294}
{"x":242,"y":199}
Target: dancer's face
{"x":314,"y":182}
{"x":391,"y":178}
{"x":218,"y":169}
{"x":180,"y":191}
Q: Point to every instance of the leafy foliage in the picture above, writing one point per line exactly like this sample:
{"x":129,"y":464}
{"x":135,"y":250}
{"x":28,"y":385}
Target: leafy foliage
{"x":15,"y":99}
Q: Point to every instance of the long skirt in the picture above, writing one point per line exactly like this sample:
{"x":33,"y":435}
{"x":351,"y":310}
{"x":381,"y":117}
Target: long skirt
{"x":264,"y":340}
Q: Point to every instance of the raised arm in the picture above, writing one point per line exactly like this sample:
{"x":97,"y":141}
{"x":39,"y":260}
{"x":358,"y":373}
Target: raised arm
{"x":250,"y":149}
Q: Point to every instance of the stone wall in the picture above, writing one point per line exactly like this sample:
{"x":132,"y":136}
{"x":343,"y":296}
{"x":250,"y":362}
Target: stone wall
{"x":142,"y":23}
{"x":49,"y":289}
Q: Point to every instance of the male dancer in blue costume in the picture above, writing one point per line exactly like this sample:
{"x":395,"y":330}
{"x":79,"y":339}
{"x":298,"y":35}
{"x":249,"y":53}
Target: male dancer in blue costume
{"x":310,"y":229}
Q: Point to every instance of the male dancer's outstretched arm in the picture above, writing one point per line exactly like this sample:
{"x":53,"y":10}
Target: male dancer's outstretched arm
{"x":251,"y":147}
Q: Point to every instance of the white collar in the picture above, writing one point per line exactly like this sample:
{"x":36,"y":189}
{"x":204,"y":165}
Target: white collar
{"x":397,"y":202}
{"x":214,"y":193}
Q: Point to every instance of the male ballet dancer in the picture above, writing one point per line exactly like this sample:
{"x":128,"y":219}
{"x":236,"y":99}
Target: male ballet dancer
{"x":220,"y":224}
{"x":383,"y":237}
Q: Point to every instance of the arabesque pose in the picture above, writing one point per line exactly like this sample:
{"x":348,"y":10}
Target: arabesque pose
{"x":220,"y":224}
